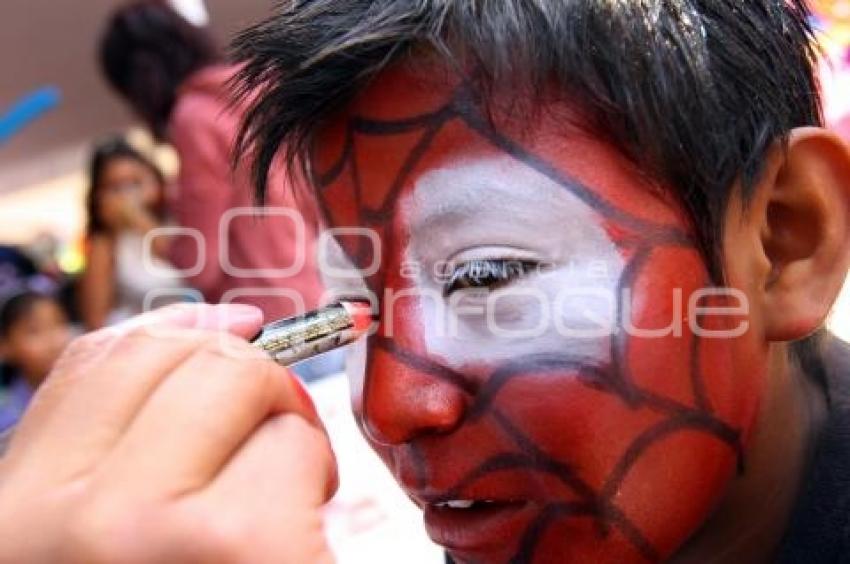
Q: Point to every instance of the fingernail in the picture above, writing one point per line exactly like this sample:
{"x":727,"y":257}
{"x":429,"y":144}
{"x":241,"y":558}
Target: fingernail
{"x":242,"y":319}
{"x":239,"y":313}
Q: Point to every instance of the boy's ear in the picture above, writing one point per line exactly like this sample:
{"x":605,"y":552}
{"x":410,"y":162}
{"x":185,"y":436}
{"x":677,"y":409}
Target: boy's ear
{"x":798,"y":222}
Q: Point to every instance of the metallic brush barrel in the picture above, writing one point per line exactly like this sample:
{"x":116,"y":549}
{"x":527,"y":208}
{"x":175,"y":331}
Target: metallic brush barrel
{"x":298,"y":338}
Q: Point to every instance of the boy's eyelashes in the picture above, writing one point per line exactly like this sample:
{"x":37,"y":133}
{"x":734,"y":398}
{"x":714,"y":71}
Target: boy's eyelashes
{"x":488,"y":274}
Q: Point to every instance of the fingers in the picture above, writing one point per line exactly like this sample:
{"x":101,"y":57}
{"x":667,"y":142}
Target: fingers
{"x":199,"y":416}
{"x":276,"y":483}
{"x":104,"y":378}
{"x":166,"y":440}
{"x":264,"y":505}
{"x":260,"y":472}
{"x":84,"y":357}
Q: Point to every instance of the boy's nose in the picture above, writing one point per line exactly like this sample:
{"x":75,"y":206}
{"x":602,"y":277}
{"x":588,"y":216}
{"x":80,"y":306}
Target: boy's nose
{"x":408,"y":394}
{"x":402,"y":402}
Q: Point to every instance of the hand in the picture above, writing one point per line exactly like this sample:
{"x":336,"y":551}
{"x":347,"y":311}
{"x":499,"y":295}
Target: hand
{"x":122,"y":208}
{"x":165,"y":440}
{"x":134,"y":214}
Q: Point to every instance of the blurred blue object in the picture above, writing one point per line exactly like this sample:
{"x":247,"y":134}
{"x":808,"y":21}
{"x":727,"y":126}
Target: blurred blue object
{"x":28,"y":109}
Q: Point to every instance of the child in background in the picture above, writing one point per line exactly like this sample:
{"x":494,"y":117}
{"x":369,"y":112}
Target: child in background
{"x":126,"y":201}
{"x":34,"y":331}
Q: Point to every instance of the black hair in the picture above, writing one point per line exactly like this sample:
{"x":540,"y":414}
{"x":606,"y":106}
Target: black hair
{"x":13,"y":309}
{"x":147,"y":51}
{"x":15,"y":266}
{"x":17,"y":307}
{"x":104,"y":153}
{"x":695,"y":92}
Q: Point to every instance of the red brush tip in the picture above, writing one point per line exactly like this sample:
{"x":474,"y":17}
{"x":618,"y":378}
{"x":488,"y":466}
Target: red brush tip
{"x":361,"y":314}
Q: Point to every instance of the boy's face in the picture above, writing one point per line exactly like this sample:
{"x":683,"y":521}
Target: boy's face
{"x":539,"y":382}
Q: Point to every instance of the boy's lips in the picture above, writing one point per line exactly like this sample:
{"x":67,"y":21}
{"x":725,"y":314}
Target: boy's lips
{"x":474,"y":526}
{"x":479,"y":509}
{"x":480,"y":519}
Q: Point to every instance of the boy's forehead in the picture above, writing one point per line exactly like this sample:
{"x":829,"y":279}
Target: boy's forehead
{"x":410,"y":122}
{"x":405,"y":90}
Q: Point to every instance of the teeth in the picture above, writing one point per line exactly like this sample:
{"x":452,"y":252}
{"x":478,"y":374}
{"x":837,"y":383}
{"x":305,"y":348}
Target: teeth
{"x":463,"y":503}
{"x":457,"y":504}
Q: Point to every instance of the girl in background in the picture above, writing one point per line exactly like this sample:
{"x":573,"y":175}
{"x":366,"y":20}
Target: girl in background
{"x":126,"y":200}
{"x":34,"y":331}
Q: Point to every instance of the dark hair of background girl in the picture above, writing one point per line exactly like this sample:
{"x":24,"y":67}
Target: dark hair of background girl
{"x":147,"y":51}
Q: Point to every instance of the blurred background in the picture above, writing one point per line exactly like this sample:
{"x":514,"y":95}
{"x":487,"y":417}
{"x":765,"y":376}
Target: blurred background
{"x":833,"y":21}
{"x":54,"y":45}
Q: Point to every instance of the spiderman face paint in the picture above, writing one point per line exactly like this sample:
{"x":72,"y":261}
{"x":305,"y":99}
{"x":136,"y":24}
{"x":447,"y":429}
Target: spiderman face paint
{"x":542,"y":381}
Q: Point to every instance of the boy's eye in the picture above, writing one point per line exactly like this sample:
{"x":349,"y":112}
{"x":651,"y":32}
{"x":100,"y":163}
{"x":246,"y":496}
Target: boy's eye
{"x":487,"y":274}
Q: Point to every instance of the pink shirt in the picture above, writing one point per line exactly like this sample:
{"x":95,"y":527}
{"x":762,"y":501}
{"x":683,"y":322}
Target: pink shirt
{"x":268,"y":261}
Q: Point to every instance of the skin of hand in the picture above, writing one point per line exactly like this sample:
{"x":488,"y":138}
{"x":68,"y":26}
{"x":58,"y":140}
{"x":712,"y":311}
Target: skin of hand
{"x":124,"y":209}
{"x":168,"y":439}
{"x":133,"y":212}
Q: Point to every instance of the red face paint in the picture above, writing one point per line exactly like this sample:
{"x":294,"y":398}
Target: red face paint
{"x":492,"y":390}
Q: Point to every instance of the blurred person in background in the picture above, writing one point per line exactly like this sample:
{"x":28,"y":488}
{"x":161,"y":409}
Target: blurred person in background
{"x":34,"y":330}
{"x":832,"y":18}
{"x":839,"y":99}
{"x":171,"y":74}
{"x":126,"y":201}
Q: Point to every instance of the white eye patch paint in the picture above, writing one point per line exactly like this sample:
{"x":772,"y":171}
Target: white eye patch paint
{"x":498,"y":208}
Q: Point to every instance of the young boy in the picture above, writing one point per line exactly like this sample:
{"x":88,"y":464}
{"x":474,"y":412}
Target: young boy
{"x":604,"y":237}
{"x":534,"y":171}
